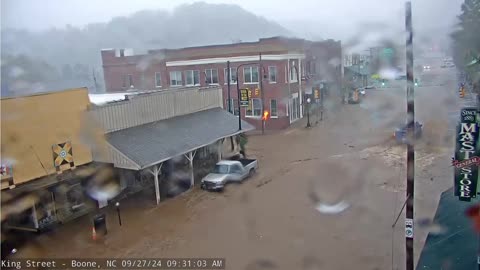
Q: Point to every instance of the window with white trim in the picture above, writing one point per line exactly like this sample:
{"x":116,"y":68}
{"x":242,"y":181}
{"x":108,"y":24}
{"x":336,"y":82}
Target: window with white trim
{"x":233,"y":75}
{"x":192,"y":77}
{"x":293,"y":73}
{"x":233,"y":104}
{"x":158,"y":79}
{"x":254,"y":108}
{"x":175,"y":78}
{"x":272,"y":74}
{"x":273,"y":108}
{"x":250,"y":74}
{"x":211,"y":76}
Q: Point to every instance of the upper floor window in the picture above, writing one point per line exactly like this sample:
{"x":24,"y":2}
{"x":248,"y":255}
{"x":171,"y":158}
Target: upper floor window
{"x":250,"y":74}
{"x":211,"y":76}
{"x":272,"y":74}
{"x":127,"y":81}
{"x":158,"y":79}
{"x":192,"y":77}
{"x":233,"y":75}
{"x":293,"y":73}
{"x":175,"y":78}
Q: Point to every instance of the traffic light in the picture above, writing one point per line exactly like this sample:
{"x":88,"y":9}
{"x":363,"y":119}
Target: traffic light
{"x":316,"y":94}
{"x":265,"y":115}
{"x":257,"y":92}
{"x":462,"y":92}
{"x":249,"y":94}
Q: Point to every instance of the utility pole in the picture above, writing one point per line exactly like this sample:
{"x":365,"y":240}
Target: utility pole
{"x":261,"y":90}
{"x":409,"y":226}
{"x":229,"y":103}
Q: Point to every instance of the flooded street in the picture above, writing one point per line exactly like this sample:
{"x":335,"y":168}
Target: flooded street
{"x":324,"y":197}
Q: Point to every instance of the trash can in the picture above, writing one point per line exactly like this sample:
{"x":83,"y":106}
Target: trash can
{"x":100,"y":224}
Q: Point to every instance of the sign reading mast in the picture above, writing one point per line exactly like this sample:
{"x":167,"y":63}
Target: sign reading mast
{"x":466,"y":152}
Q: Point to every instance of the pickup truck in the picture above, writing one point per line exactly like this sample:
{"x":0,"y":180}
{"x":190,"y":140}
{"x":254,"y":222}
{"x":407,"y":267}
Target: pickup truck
{"x":400,"y":133}
{"x":227,"y":171}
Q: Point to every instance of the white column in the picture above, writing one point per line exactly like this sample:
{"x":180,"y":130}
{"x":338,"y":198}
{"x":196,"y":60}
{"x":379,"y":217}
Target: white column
{"x":300,"y":97}
{"x":155,"y":171}
{"x":190,"y":157}
{"x":220,"y":149}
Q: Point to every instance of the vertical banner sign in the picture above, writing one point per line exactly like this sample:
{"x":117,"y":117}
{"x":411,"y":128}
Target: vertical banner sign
{"x":466,"y":155}
{"x":244,"y":97}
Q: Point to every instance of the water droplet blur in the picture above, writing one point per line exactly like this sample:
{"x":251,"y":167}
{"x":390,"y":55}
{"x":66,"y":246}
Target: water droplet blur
{"x":388,"y":73}
{"x":332,"y":209}
{"x":432,"y":227}
{"x":103,"y":185}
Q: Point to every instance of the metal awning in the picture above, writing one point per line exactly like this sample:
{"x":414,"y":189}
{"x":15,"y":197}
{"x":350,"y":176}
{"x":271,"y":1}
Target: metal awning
{"x":149,"y":144}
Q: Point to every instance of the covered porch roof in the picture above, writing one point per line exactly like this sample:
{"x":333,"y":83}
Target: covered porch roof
{"x":149,"y":144}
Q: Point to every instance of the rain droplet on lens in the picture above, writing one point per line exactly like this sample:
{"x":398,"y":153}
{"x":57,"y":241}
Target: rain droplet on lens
{"x":103,"y":185}
{"x":432,"y":227}
{"x":332,"y":208}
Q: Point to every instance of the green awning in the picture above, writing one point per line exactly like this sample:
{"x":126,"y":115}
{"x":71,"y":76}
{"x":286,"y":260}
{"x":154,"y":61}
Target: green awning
{"x":458,"y":246}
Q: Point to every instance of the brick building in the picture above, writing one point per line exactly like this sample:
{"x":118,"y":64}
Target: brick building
{"x":289,"y":68}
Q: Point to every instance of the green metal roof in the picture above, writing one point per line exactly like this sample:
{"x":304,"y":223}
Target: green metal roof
{"x":458,"y":246}
{"x":356,"y":69}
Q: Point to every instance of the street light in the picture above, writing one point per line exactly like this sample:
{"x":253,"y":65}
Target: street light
{"x":238,"y":93}
{"x":117,"y":205}
{"x":308,"y":112}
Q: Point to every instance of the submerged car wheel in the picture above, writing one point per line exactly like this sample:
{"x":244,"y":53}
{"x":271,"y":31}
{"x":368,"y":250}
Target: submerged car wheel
{"x":251,"y":172}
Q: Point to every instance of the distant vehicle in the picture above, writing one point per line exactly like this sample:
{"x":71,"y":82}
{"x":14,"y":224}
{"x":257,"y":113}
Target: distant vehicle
{"x":227,"y":171}
{"x":400,"y":133}
{"x":427,"y":67}
{"x":370,"y":87}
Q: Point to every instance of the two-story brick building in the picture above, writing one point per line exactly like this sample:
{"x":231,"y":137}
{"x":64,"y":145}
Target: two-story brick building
{"x":288,"y":67}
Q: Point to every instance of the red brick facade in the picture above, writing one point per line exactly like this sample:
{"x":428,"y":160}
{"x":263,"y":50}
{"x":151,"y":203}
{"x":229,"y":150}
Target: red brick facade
{"x":276,"y":52}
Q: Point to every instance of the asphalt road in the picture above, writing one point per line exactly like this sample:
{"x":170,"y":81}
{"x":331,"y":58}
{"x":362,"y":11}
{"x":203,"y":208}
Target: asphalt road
{"x":323,"y":198}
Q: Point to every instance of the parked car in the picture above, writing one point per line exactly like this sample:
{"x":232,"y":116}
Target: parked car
{"x":227,"y":171}
{"x":400,"y":133}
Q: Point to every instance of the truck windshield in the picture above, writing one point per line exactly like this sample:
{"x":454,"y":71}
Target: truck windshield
{"x":221,"y":169}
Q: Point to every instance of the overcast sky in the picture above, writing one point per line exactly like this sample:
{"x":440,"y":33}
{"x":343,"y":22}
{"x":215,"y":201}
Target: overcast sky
{"x":43,"y":14}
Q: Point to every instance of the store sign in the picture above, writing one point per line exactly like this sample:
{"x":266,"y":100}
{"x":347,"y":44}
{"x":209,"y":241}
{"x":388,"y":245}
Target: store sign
{"x":244,"y":97}
{"x":466,"y":155}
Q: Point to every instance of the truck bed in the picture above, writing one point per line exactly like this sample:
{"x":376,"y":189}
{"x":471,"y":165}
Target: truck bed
{"x":246,"y":161}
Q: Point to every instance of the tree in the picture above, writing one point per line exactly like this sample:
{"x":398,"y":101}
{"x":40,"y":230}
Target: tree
{"x":466,"y":41}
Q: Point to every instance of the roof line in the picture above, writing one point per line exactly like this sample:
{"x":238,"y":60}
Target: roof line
{"x":197,"y":147}
{"x":80,"y":88}
{"x":125,"y":156}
